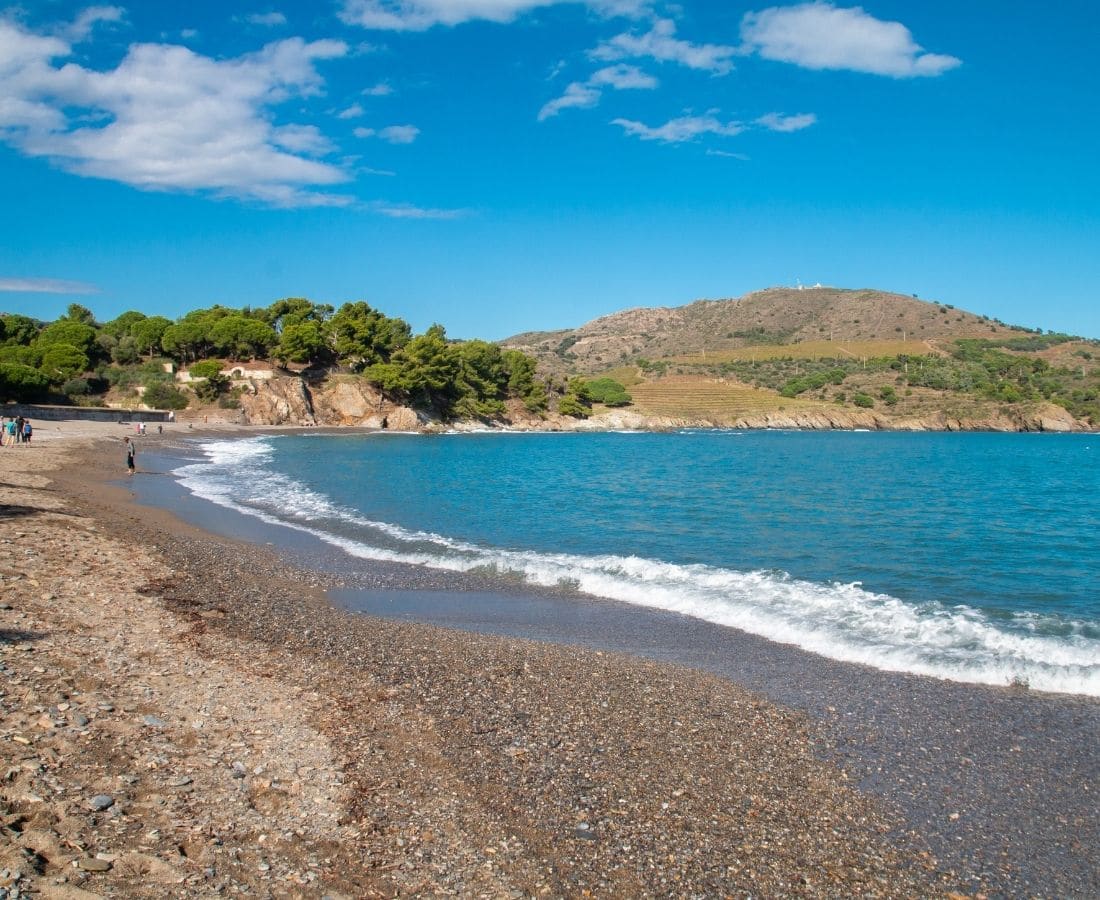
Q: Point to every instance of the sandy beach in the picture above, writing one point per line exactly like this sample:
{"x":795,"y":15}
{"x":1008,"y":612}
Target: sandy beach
{"x":184,"y":715}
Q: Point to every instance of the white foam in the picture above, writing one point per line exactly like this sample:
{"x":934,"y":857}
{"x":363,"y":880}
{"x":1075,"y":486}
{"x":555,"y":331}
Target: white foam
{"x":840,"y":621}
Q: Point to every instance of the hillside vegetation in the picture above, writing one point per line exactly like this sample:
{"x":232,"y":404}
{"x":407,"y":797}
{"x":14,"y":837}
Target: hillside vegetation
{"x":774,"y":317}
{"x":821,"y":357}
{"x":134,"y":359}
{"x":865,"y":350}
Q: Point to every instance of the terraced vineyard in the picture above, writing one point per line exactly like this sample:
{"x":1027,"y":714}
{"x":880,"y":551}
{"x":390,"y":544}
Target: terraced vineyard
{"x":815,"y":350}
{"x":687,"y":397}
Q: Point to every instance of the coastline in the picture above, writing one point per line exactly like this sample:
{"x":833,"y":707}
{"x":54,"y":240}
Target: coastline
{"x":461,"y":763}
{"x":968,"y":767}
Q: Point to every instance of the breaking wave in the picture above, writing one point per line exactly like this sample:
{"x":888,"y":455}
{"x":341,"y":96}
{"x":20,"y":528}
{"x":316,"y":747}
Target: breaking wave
{"x":841,"y":621}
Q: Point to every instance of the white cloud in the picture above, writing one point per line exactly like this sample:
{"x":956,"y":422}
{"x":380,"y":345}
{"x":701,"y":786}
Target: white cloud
{"x":379,"y":90}
{"x":270,"y":19}
{"x":586,"y":94}
{"x":660,"y":43}
{"x":393,"y":134}
{"x":409,"y":211}
{"x":685,"y":128}
{"x":782,"y":123}
{"x":352,"y":112}
{"x":306,"y":139}
{"x":820,"y":36}
{"x":419,"y":15}
{"x":399,"y":134}
{"x":623,"y":78}
{"x":578,"y":95}
{"x":167,"y":118}
{"x":45,"y":286}
{"x":743,"y":157}
{"x":82,"y":26}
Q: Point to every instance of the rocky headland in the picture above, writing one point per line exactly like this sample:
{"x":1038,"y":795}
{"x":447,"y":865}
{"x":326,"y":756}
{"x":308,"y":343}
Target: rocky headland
{"x":350,"y":401}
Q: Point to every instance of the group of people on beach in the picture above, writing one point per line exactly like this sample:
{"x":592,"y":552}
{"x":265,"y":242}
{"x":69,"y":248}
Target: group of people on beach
{"x":15,"y":430}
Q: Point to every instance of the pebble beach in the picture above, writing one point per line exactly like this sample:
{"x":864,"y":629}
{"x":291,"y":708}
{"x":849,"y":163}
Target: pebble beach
{"x":184,"y":715}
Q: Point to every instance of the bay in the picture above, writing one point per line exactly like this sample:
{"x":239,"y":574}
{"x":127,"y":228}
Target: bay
{"x":965,"y":556}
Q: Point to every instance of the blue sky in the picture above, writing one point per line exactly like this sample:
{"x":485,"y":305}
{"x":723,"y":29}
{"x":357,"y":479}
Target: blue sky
{"x":505,"y":165}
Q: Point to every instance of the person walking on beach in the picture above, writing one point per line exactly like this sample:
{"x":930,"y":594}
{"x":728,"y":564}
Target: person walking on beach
{"x":28,"y":432}
{"x":131,"y":452}
{"x":11,"y":431}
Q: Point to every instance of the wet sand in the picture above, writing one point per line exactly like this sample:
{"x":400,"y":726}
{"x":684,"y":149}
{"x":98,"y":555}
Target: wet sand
{"x":759,"y":770}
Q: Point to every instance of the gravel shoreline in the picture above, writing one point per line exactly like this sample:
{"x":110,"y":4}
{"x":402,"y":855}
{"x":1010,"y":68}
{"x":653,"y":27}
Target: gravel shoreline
{"x":471,"y":765}
{"x":249,"y":738}
{"x":1001,"y":783}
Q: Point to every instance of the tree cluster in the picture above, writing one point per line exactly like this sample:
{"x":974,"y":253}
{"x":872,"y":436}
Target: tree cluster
{"x":76,"y":357}
{"x":579,"y":394}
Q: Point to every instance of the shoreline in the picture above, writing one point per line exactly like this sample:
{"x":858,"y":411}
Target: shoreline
{"x":965,"y":765}
{"x":675,"y":772}
{"x":608,"y":420}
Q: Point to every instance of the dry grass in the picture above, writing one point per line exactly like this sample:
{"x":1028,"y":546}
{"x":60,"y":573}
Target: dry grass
{"x":687,"y":397}
{"x":627,"y":376}
{"x":816,"y":350}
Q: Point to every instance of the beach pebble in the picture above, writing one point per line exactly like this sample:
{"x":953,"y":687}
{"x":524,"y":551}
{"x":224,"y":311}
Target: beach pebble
{"x":91,"y":864}
{"x":101,"y":802}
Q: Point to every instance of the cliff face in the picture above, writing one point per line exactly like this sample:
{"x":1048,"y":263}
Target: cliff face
{"x":290,"y":401}
{"x":279,"y":401}
{"x":344,"y":401}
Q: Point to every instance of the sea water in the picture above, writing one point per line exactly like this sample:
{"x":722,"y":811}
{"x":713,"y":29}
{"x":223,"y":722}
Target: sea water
{"x":972,"y":557}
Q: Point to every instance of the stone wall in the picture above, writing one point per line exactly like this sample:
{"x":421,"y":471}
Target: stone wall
{"x":34,"y":411}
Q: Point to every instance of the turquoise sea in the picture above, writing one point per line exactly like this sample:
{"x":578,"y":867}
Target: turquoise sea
{"x":972,"y":557}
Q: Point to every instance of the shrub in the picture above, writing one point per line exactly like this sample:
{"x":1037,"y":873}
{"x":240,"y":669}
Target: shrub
{"x":164,"y":396}
{"x":863,"y":401}
{"x":88,"y":401}
{"x":207,"y":368}
{"x":75,"y":387}
{"x":570,"y":405}
{"x":22,"y":383}
{"x":209,"y":389}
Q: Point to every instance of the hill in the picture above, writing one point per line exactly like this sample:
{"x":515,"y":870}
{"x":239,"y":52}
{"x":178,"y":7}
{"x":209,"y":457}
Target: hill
{"x":776,"y":317}
{"x":816,"y":358}
{"x":829,"y":357}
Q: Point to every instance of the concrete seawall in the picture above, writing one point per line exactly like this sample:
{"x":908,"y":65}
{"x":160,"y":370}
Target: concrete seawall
{"x":83,"y":413}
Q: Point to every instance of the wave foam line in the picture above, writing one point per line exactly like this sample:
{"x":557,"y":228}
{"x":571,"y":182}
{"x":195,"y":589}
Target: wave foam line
{"x":840,"y":621}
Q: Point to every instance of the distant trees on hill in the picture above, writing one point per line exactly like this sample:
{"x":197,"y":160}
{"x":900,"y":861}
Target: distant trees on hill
{"x":1002,"y":370}
{"x":78,"y":358}
{"x":581,"y":393}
